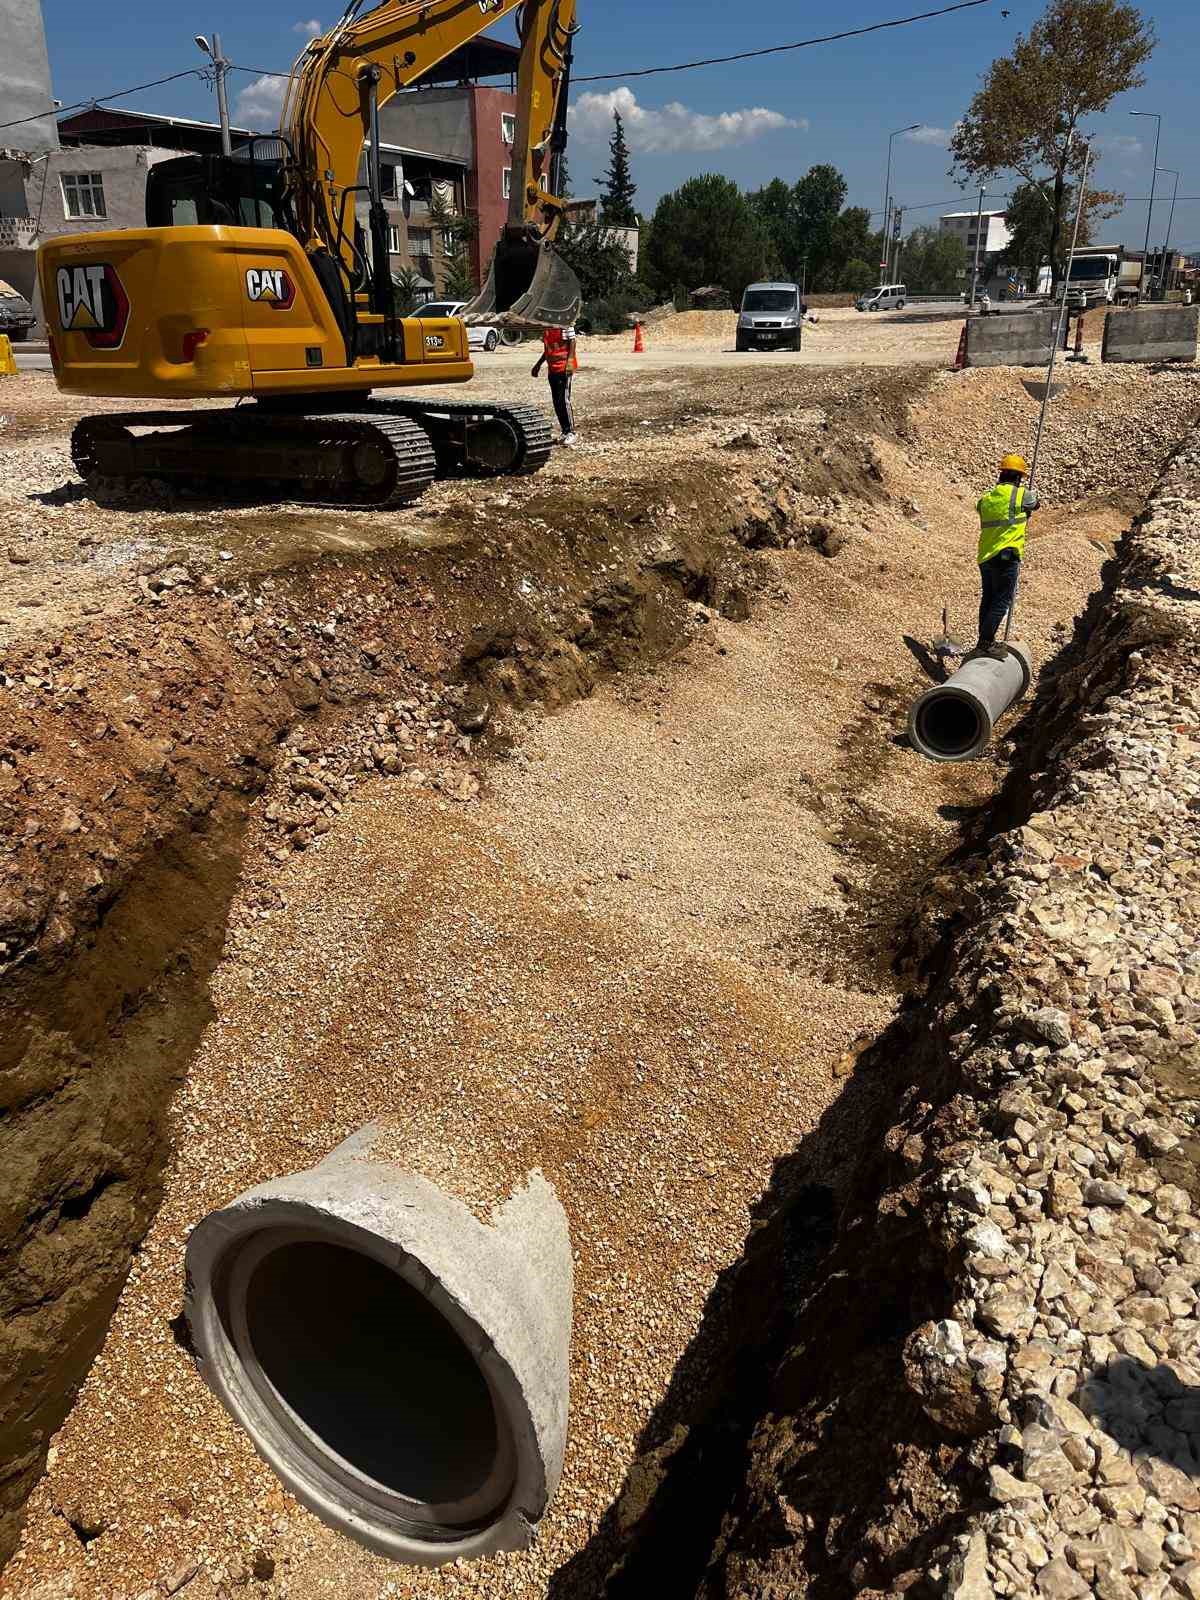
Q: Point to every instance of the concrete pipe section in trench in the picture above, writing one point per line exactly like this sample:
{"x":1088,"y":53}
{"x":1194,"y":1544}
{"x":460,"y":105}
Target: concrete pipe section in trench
{"x":954,"y":720}
{"x":401,"y":1364}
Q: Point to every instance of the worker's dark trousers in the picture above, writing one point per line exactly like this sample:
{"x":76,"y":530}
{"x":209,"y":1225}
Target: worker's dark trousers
{"x":560,"y":393}
{"x":999,"y":579}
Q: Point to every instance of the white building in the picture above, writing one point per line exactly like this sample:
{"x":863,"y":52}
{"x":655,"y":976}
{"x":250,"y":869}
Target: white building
{"x":963,"y":225}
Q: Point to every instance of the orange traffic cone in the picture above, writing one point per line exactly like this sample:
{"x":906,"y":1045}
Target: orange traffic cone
{"x":960,"y":359}
{"x":638,"y":346}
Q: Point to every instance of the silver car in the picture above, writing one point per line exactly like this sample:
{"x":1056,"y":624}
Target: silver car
{"x":478,"y":337}
{"x":771,"y":317}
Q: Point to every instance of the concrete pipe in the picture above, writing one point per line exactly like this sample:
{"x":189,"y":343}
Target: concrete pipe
{"x":953,"y":721}
{"x":400,"y":1363}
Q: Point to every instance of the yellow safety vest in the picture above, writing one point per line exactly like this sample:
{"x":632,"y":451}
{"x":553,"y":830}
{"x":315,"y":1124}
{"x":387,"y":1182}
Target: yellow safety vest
{"x":1002,"y":522}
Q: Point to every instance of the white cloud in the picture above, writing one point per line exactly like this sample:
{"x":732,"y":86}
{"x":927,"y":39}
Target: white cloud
{"x":1119,"y":144}
{"x":260,"y":103}
{"x":310,"y":29}
{"x":673,"y":126}
{"x":938,"y":137}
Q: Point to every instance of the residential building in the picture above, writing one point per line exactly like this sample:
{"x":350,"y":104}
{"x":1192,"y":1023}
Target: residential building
{"x":453,"y":117}
{"x":992,"y":230}
{"x":28,"y":108}
{"x":586,"y":213}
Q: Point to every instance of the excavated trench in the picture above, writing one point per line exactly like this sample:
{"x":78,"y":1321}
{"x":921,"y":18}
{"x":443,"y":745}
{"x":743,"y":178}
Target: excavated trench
{"x":168,"y":787}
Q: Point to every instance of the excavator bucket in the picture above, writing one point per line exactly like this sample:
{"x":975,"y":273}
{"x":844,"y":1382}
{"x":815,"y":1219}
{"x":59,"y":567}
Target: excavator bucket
{"x":528,"y":285}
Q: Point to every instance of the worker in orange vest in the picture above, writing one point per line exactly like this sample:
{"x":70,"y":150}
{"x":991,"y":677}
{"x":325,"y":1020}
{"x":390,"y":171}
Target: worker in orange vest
{"x":561,"y":362}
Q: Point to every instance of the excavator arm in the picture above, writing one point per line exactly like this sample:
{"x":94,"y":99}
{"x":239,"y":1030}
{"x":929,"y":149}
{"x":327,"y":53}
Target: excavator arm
{"x":336,"y":90}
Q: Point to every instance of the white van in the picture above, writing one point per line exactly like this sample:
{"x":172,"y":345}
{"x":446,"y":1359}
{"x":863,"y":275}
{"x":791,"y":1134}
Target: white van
{"x":890,"y":297}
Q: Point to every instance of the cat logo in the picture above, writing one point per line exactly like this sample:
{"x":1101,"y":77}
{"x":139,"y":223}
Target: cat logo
{"x":92,"y":301}
{"x":434,"y":341}
{"x":272,"y":285}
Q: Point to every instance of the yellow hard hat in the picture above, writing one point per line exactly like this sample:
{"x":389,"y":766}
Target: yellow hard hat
{"x":1014,"y":464}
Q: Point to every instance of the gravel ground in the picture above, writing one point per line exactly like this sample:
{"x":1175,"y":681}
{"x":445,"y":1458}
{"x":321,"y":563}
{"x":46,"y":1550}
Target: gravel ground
{"x":622,"y":965}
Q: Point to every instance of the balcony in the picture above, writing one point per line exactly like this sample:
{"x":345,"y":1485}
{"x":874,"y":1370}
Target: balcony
{"x":18,"y":233}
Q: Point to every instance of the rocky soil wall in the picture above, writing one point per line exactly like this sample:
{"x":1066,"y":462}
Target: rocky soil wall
{"x":971,"y":1366}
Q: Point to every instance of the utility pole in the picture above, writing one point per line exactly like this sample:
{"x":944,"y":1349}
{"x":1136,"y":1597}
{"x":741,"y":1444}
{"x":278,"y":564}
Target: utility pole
{"x":1150,"y":207}
{"x":894,"y":248}
{"x":887,"y":198}
{"x":975,"y":263}
{"x":1162,"y":272}
{"x":220,"y":68}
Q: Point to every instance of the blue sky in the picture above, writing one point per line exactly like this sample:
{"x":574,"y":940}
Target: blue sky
{"x":751,"y":121}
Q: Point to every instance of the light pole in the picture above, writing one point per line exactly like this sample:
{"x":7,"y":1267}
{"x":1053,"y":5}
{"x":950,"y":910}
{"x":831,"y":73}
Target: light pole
{"x":220,"y":68}
{"x":1150,"y":207}
{"x":1162,"y":271}
{"x":975,"y":263}
{"x":887,"y":197}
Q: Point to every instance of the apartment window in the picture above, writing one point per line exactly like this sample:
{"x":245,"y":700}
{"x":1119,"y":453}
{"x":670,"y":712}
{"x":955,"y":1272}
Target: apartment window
{"x":420,"y":241}
{"x":506,"y":183}
{"x":508,"y":126}
{"x":393,"y":241}
{"x":83,"y":194}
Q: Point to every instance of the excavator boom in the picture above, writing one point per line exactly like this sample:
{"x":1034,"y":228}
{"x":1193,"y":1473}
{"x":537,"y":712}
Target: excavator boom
{"x":251,"y":280}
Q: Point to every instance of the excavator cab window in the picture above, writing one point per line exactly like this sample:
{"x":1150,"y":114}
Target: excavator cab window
{"x":243,"y":190}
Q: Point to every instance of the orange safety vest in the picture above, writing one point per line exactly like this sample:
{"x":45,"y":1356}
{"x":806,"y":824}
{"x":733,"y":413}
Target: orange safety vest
{"x":556,"y":348}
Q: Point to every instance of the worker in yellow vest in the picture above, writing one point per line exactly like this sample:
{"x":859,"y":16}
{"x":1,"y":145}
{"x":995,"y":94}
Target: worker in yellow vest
{"x":1003,"y":517}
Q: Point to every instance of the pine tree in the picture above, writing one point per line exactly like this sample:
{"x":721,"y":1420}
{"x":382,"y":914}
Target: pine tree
{"x":616,"y":203}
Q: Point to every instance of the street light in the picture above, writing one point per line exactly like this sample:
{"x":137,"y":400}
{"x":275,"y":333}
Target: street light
{"x":887,"y":196}
{"x":1162,"y":271}
{"x":1150,"y":207}
{"x":220,"y":67}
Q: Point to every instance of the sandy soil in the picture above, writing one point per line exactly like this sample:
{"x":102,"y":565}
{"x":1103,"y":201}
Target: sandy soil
{"x":647,"y":950}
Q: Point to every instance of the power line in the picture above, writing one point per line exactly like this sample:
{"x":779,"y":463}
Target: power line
{"x":778,"y":49}
{"x":716,"y":61}
{"x":117,"y":94}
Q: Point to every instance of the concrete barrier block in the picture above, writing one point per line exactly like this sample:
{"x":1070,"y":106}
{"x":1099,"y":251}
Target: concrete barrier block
{"x":1152,"y":333}
{"x":1022,"y":340}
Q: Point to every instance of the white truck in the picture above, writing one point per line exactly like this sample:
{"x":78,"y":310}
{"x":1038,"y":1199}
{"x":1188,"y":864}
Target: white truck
{"x":1104,"y":275}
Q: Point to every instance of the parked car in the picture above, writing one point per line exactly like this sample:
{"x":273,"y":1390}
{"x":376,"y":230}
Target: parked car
{"x":478,"y":337}
{"x":888,"y":297}
{"x":16,"y":314}
{"x":771,"y":316}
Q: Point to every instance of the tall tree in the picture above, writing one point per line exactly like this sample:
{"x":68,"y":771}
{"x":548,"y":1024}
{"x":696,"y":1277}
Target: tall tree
{"x":1029,"y":219}
{"x":775,"y":210}
{"x":616,"y":202}
{"x":799,"y":221}
{"x":705,"y":232}
{"x":931,"y":261}
{"x":1078,"y":57}
{"x":457,"y":229}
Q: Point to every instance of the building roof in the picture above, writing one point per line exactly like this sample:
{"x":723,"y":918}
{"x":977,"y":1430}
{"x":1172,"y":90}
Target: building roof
{"x":948,"y":216}
{"x":479,"y":58}
{"x":104,"y":125}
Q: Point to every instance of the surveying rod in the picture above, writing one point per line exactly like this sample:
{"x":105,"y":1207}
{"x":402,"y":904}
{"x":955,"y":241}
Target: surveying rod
{"x":1057,"y":340}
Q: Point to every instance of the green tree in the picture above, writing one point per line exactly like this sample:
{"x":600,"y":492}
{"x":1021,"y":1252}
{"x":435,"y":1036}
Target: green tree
{"x":457,"y":230}
{"x":798,"y":223}
{"x":705,"y":232}
{"x":1079,"y":56}
{"x":616,"y":202}
{"x":931,"y":261}
{"x":1029,"y":217}
{"x":773,"y":206}
{"x":818,"y":199}
{"x":856,"y":276}
{"x":407,"y":285}
{"x":850,"y":240}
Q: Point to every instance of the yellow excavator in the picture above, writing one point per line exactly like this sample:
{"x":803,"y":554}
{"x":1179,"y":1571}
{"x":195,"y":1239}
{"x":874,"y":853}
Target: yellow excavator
{"x":253,"y":281}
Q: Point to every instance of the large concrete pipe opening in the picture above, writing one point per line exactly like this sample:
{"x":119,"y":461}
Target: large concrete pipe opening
{"x":954,"y":720}
{"x":399,"y":1363}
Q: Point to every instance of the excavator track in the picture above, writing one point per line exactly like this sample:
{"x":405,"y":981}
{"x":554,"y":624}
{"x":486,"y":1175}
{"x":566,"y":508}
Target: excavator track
{"x":480,"y":440}
{"x":369,"y":458}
